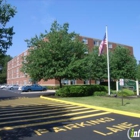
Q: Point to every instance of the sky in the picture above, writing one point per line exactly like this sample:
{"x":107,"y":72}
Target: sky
{"x":85,"y":17}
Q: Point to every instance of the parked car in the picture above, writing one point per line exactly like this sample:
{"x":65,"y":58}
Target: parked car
{"x":34,"y":87}
{"x":11,"y":87}
{"x":3,"y":86}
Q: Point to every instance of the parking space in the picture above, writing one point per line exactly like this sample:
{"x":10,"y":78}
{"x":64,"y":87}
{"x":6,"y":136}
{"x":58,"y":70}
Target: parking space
{"x":39,"y":119}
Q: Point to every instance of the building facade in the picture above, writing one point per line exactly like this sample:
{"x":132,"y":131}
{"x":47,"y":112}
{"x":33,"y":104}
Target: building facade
{"x":15,"y":76}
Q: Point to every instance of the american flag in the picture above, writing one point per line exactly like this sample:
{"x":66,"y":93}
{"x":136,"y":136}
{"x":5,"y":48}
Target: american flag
{"x":102,"y":45}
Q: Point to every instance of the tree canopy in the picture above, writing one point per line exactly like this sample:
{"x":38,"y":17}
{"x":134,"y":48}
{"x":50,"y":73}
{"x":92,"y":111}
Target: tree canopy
{"x":3,"y":64}
{"x":98,"y":65}
{"x":122,"y":64}
{"x":57,"y":54}
{"x":6,"y":33}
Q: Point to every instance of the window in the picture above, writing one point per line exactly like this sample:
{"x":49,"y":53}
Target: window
{"x":85,"y":41}
{"x":109,"y":45}
{"x":97,"y":82}
{"x":96,"y":43}
{"x":65,"y":81}
{"x":72,"y":82}
{"x":85,"y":50}
{"x":86,"y":82}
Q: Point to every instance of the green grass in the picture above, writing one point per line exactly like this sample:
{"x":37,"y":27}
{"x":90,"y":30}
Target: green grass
{"x":131,"y":105}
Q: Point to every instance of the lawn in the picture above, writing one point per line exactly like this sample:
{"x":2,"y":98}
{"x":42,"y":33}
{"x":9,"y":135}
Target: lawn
{"x":131,"y":104}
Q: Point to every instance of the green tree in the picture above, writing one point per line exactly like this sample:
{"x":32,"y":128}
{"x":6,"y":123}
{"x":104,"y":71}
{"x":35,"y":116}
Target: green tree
{"x":57,"y":54}
{"x":3,"y":72}
{"x":6,"y":34}
{"x":122,"y":64}
{"x":98,"y":65}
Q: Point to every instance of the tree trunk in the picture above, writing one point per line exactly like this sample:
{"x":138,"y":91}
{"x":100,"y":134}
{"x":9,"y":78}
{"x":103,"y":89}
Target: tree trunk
{"x":60,"y":84}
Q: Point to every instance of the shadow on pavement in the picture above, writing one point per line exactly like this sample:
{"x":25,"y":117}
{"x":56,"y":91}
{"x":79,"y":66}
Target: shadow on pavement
{"x":17,"y":123}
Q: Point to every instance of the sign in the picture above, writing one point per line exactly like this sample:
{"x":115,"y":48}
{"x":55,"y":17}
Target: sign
{"x":121,"y":82}
{"x":127,"y":83}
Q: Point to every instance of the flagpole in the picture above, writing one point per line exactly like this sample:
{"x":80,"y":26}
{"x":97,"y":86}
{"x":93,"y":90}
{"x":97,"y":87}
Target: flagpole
{"x":108,"y":69}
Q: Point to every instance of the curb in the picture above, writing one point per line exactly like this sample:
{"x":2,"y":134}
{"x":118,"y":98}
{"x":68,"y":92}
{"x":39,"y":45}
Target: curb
{"x":130,"y":114}
{"x":39,"y":92}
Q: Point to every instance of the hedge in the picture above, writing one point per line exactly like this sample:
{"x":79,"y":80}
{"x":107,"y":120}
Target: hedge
{"x":125,"y":92}
{"x":79,"y":90}
{"x":52,"y":87}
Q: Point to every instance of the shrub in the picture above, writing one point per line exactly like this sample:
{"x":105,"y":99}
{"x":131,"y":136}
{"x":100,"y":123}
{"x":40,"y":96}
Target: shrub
{"x":125,"y":92}
{"x":52,"y":87}
{"x":100,"y":93}
{"x":79,"y":90}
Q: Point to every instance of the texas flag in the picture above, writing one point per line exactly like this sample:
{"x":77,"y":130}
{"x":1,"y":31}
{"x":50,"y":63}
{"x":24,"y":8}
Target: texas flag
{"x":102,"y":45}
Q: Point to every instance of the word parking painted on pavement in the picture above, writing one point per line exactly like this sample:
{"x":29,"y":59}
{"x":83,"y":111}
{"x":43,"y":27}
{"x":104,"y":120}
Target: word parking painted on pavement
{"x":75,"y":125}
{"x":116,"y":128}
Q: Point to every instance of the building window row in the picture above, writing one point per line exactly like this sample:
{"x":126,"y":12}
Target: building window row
{"x":95,"y":42}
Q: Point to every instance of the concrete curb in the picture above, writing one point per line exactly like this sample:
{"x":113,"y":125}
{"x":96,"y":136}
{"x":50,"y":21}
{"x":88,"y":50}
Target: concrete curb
{"x":39,"y":92}
{"x":130,"y":114}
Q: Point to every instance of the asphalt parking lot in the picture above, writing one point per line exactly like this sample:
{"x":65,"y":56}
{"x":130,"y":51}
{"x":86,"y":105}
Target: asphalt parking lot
{"x":25,"y":118}
{"x":11,"y":94}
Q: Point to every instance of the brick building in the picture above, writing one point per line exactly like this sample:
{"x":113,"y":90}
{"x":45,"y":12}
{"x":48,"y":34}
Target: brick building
{"x":15,"y":76}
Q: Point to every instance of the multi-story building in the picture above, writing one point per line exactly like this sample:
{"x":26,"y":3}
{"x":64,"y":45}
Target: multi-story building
{"x":15,"y":76}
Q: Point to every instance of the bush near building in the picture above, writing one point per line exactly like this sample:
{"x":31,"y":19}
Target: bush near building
{"x":125,"y":92}
{"x":79,"y":90}
{"x":52,"y":87}
{"x":100,"y":93}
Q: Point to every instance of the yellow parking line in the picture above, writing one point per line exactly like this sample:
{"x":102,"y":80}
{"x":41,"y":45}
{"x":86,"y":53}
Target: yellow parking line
{"x":26,"y":103}
{"x":47,"y":113}
{"x":52,"y":109}
{"x":39,"y":134}
{"x":95,"y":107}
{"x":55,"y":121}
{"x":99,"y":132}
{"x":50,"y":117}
{"x":30,"y":108}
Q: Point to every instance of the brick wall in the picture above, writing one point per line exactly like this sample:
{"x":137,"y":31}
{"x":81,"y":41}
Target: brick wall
{"x":15,"y":76}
